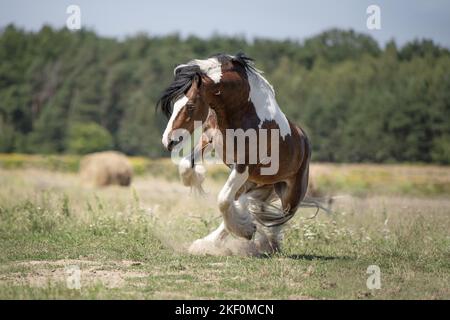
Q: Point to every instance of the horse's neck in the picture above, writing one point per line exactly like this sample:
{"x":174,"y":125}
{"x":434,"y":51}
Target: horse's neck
{"x":230,"y":117}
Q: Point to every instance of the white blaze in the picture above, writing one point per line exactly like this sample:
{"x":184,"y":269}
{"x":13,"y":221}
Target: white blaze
{"x":263,"y":97}
{"x":178,"y":105}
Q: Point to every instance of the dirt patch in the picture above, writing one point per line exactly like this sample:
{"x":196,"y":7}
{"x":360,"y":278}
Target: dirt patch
{"x":44,"y":273}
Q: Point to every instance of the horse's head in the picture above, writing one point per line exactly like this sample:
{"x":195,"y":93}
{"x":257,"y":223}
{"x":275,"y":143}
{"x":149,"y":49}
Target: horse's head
{"x":218,"y":82}
{"x":188,"y":104}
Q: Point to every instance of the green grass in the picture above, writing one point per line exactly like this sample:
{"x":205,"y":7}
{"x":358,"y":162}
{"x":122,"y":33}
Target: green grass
{"x":131,"y":243}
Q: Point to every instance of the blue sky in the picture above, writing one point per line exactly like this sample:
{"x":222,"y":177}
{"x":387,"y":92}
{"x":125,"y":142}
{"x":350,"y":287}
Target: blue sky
{"x":401,"y":20}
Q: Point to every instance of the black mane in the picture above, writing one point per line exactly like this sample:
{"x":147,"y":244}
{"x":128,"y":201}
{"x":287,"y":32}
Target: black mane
{"x":182,"y":82}
{"x":240,"y":57}
{"x":247,"y":62}
{"x":185,"y":74}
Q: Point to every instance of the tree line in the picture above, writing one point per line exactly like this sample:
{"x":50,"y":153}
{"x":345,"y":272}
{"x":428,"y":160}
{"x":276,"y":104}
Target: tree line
{"x":76,"y":92}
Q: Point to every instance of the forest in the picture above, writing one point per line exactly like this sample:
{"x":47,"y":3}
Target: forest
{"x":76,"y":92}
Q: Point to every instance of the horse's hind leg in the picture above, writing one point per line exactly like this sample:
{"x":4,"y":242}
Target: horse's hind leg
{"x":293,"y":191}
{"x":258,"y":201}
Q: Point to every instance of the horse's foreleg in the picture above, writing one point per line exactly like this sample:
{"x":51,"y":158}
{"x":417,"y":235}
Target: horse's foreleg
{"x":192,"y":173}
{"x":210,"y":243}
{"x":217,"y":235}
{"x":236,"y":217}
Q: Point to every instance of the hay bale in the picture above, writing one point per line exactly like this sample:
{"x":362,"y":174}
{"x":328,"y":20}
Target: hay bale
{"x":106,"y":168}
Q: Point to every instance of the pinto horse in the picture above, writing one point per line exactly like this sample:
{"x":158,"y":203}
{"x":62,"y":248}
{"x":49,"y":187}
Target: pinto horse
{"x":228,"y":94}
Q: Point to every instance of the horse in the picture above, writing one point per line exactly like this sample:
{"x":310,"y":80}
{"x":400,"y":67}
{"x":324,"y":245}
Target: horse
{"x":228,"y":94}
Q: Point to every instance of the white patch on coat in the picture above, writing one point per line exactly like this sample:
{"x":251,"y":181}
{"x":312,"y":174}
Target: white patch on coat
{"x":211,"y":67}
{"x":231,"y":187}
{"x":262,"y":95}
{"x":178,"y":105}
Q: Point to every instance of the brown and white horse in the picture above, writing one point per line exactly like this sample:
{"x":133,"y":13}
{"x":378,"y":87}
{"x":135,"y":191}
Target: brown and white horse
{"x":228,"y":95}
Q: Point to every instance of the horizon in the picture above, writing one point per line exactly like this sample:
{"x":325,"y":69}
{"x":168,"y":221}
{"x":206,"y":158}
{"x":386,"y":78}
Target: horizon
{"x":248,"y":40}
{"x":401,"y":21}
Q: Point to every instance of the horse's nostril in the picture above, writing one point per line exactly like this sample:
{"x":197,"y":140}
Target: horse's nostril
{"x":170,"y":145}
{"x":173,"y":143}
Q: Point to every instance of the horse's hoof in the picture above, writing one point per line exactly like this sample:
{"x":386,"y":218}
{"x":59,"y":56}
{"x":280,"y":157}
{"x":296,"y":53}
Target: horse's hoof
{"x":202,"y":247}
{"x":197,"y":247}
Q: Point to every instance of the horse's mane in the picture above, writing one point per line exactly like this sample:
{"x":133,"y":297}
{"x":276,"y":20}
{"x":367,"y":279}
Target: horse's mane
{"x":181,"y":83}
{"x":184,"y":74}
{"x":249,"y":65}
{"x":247,"y":62}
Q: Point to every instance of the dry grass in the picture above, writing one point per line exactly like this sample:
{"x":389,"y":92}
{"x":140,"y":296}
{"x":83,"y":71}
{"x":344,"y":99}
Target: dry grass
{"x":359,"y":179}
{"x":382,"y":179}
{"x":131,"y":242}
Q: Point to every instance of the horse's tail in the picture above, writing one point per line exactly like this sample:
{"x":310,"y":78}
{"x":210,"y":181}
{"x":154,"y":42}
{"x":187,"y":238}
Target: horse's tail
{"x":271,"y":214}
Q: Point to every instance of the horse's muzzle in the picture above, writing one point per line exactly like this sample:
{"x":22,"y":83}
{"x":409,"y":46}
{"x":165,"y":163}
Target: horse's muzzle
{"x":173,"y":143}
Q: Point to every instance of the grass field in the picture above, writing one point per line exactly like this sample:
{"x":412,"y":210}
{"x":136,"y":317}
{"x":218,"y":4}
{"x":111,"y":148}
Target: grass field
{"x":131,"y":242}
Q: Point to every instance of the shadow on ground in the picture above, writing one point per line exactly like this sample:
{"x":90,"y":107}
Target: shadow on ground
{"x":311,"y":257}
